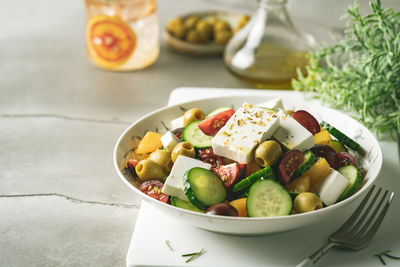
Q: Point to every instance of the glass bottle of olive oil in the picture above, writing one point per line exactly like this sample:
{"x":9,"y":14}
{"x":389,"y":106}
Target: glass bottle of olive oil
{"x":269,"y":49}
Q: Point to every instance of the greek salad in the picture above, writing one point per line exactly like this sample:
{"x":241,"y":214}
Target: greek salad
{"x":255,"y":161}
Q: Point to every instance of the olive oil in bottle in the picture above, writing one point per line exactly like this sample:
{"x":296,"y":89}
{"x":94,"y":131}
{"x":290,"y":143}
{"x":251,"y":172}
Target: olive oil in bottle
{"x":269,"y":50}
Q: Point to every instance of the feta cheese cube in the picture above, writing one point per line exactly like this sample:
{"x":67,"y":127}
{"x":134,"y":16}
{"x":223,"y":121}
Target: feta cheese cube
{"x":173,"y":186}
{"x":274,"y":104}
{"x":169,"y":141}
{"x":293,"y":135}
{"x":248,"y":127}
{"x":332,"y":187}
{"x":177,"y":123}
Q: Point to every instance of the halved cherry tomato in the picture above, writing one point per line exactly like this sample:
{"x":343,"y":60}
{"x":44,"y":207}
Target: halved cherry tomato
{"x":324,"y":151}
{"x":307,"y":121}
{"x":131,"y":166}
{"x":242,"y":170}
{"x":229,"y":174}
{"x":207,"y":155}
{"x":343,"y":159}
{"x":153,"y":188}
{"x":178,"y":132}
{"x":211,"y":125}
{"x":289,"y":163}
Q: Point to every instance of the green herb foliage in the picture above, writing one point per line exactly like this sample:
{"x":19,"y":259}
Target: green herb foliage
{"x":361,"y":72}
{"x":386,"y":253}
{"x":193,"y":255}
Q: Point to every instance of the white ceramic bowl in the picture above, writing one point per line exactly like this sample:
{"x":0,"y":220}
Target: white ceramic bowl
{"x":159,"y":120}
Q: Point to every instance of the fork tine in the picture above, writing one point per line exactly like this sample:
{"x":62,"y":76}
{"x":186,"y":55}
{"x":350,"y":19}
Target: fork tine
{"x":371,"y":218}
{"x":356,"y":226}
{"x":379,"y":220}
{"x":356,"y":213}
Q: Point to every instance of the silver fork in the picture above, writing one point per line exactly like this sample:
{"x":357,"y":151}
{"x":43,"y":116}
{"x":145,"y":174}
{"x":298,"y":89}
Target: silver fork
{"x":355,"y":233}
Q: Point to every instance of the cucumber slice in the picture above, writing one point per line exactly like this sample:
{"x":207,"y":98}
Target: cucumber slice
{"x":203,"y":188}
{"x":265,"y":173}
{"x":195,"y":136}
{"x":218,"y":110}
{"x":309,"y":160}
{"x":354,"y":176}
{"x":268,"y":198}
{"x":340,"y":136}
{"x":177,"y":202}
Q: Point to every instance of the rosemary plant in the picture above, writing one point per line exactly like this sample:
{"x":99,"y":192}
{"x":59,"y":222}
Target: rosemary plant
{"x":361,"y":72}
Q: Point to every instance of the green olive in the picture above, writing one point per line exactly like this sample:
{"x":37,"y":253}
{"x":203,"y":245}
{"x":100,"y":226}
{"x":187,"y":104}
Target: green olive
{"x":191,"y":21}
{"x":212,"y":20}
{"x":162,"y":158}
{"x":299,"y":185}
{"x":307,"y":201}
{"x":222,"y":25}
{"x":148,"y":170}
{"x":193,"y":114}
{"x":267,"y":153}
{"x":222,"y":37}
{"x":242,"y":21}
{"x":177,"y":28}
{"x":184,"y":149}
{"x":204,"y":28}
{"x":195,"y":37}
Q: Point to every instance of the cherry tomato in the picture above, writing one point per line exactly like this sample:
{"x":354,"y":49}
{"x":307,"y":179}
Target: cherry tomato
{"x":229,"y":174}
{"x":211,"y":125}
{"x":178,"y":132}
{"x":207,"y":155}
{"x":242,"y":170}
{"x":131,"y":166}
{"x":289,"y":163}
{"x":223,"y":209}
{"x":307,"y":121}
{"x":153,"y":188}
{"x":343,"y":159}
{"x":324,"y":151}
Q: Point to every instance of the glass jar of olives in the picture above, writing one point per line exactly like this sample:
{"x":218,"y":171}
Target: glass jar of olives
{"x":268,"y":51}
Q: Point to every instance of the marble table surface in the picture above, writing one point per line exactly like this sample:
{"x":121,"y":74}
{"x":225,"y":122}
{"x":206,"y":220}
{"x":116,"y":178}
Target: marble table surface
{"x":61,"y":201}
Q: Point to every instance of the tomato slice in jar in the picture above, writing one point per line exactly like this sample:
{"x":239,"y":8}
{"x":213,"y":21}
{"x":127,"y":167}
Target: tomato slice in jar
{"x":111,"y":41}
{"x":289,"y":163}
{"x":211,"y":125}
{"x":307,"y":121}
{"x":230,"y":174}
{"x":343,"y":159}
{"x":207,"y":155}
{"x":153,"y":188}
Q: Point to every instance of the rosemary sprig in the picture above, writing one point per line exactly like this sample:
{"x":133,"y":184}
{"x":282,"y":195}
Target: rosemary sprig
{"x":193,"y":255}
{"x":386,"y":253}
{"x":361,"y":72}
{"x":168,"y":245}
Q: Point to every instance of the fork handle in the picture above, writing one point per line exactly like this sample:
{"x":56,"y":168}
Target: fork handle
{"x":316,"y":255}
{"x":305,"y":263}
